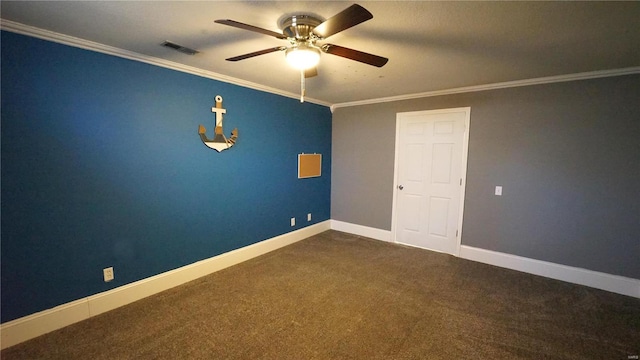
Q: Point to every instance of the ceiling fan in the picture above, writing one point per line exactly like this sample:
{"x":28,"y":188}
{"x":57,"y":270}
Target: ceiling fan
{"x":304,"y":32}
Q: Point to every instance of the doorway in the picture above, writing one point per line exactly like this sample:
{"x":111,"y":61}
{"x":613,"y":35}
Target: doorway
{"x":430,"y":178}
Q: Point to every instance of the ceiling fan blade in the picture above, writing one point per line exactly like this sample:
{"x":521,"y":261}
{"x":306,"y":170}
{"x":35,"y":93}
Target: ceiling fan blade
{"x":351,"y":16}
{"x":240,"y":25}
{"x":257,"y":53}
{"x":311,"y":72}
{"x":356,"y":55}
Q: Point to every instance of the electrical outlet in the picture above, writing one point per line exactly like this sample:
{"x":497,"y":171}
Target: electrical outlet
{"x":309,"y":217}
{"x":108,"y":274}
{"x":498,"y":191}
{"x":293,"y":221}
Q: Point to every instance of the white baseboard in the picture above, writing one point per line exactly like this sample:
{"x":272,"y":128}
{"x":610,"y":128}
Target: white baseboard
{"x":31,"y":326}
{"x":613,"y":283}
{"x":377,"y":234}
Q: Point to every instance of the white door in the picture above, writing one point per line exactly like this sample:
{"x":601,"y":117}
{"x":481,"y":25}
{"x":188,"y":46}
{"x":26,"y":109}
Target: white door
{"x":431,"y":149}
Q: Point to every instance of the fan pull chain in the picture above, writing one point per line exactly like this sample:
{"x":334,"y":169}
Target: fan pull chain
{"x":302,"y":90}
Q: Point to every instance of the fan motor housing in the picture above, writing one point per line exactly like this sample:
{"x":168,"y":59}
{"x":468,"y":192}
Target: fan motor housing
{"x":299,"y":27}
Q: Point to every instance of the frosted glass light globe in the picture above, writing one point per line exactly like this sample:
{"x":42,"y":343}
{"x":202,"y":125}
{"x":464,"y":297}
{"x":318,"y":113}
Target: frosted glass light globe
{"x":303,"y":56}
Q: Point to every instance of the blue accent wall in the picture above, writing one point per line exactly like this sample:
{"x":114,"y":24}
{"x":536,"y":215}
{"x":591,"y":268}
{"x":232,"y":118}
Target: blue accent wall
{"x":102,"y":166}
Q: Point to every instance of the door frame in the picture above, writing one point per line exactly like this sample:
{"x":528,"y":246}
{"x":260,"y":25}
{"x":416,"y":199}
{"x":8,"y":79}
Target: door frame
{"x":463,"y":175}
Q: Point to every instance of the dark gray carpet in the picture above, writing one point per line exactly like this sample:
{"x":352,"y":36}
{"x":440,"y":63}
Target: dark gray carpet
{"x":339,"y":296}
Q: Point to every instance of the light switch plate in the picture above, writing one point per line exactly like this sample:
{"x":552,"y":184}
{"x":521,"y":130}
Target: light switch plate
{"x":499,"y":190}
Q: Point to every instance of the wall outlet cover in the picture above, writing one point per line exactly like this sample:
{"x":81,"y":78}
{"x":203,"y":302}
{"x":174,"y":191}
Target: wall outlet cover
{"x":108,"y":274}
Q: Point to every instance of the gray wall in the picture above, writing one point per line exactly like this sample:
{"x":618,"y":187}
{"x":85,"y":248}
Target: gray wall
{"x":566,"y":154}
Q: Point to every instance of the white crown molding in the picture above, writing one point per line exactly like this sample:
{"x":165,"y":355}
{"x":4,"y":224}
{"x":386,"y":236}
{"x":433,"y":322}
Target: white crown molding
{"x":502,"y":85}
{"x":23,"y":29}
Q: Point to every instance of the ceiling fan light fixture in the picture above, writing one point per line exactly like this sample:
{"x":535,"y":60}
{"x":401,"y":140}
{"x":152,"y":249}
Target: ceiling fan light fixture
{"x":303,"y":57}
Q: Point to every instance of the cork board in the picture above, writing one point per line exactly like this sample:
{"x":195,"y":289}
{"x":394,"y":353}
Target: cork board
{"x":309,"y":165}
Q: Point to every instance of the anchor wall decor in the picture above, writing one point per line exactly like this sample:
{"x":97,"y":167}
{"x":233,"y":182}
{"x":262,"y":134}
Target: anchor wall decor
{"x":219,"y":141}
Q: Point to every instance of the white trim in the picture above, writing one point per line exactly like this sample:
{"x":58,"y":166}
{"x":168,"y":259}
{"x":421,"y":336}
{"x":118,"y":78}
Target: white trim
{"x":599,"y":280}
{"x":463,"y":176}
{"x":613,"y":283}
{"x":23,"y":29}
{"x":494,"y":86}
{"x":463,"y":172}
{"x":373,"y":233}
{"x":394,"y":200}
{"x":31,"y":326}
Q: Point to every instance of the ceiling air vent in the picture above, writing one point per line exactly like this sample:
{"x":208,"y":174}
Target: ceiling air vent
{"x":182,"y":49}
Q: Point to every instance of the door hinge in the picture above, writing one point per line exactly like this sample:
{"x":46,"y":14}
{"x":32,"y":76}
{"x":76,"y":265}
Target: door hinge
{"x":460,"y":181}
{"x":456,"y":233}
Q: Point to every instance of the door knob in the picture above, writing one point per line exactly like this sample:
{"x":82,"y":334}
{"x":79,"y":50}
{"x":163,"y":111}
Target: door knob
{"x":400,"y":187}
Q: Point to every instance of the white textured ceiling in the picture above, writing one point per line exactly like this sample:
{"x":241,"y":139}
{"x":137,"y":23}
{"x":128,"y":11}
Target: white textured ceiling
{"x":432,"y":46}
